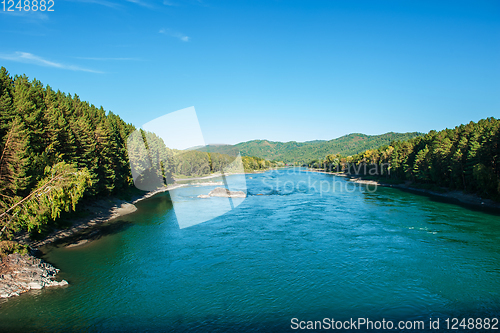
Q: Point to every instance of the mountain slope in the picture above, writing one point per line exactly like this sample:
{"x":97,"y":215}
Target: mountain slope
{"x":302,"y":152}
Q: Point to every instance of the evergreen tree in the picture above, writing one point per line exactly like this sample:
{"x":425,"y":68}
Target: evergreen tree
{"x":14,"y":165}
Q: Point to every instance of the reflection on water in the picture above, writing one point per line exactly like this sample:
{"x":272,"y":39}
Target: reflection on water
{"x":288,"y":250}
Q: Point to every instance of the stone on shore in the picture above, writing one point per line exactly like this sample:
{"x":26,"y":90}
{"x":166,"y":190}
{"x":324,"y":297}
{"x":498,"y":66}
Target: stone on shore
{"x":223,"y":193}
{"x":20,"y":273}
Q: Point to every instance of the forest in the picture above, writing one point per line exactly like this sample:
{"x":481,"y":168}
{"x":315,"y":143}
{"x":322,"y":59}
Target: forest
{"x":464,"y":158}
{"x":57,"y":150}
{"x":302,"y":152}
{"x":152,"y":163}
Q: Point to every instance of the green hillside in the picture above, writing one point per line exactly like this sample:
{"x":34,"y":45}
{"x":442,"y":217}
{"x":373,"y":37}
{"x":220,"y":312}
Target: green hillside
{"x":303,"y":152}
{"x":464,"y":158}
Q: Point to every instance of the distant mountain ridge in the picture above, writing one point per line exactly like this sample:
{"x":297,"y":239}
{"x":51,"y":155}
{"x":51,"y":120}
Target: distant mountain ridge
{"x":303,"y":152}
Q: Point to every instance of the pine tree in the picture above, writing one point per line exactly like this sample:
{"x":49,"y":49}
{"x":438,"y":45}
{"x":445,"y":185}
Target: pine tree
{"x":106,"y":149}
{"x":60,"y":190}
{"x":421,"y":165}
{"x":14,"y":165}
{"x":6,"y":112}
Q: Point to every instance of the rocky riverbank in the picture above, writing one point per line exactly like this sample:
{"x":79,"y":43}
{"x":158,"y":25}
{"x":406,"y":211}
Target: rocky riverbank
{"x":21,"y":273}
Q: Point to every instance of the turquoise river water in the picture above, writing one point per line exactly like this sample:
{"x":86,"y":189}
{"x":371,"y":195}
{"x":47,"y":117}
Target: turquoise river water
{"x":291,"y":249}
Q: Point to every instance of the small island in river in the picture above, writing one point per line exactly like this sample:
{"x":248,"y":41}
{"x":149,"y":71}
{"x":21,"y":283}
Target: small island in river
{"x":223,"y":193}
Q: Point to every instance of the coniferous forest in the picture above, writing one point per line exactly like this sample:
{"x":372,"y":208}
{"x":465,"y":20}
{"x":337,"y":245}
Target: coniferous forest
{"x":464,"y":158}
{"x":56,"y":149}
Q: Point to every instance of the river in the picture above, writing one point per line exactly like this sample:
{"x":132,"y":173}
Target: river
{"x":294,"y":248}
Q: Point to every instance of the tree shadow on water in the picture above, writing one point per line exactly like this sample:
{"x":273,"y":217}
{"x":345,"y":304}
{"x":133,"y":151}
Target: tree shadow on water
{"x":93,"y":233}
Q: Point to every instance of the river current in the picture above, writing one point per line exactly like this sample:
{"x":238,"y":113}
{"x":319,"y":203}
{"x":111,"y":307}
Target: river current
{"x":294,"y":248}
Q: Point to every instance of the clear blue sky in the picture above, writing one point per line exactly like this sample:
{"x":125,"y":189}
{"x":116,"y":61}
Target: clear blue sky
{"x":277,"y":70}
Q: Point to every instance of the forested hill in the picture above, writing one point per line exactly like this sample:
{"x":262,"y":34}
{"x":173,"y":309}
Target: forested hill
{"x":49,"y":127}
{"x":303,"y":152}
{"x":464,"y":158}
{"x":54,"y":149}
